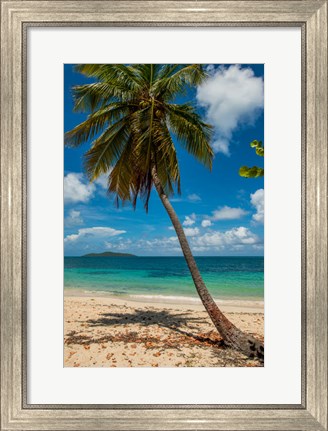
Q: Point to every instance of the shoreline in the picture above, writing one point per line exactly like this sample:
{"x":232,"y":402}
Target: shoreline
{"x":228,"y":305}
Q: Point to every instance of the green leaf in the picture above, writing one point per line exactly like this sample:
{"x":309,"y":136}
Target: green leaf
{"x":253,"y":172}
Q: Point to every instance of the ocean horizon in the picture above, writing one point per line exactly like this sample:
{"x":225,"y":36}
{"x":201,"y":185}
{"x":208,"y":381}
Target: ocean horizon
{"x":228,"y":278}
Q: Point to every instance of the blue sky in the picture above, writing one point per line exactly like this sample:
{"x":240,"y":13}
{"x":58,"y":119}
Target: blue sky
{"x":222,"y":213}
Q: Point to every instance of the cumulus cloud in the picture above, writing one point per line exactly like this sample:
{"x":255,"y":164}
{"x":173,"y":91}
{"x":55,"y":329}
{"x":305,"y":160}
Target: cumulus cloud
{"x":206,"y":223}
{"x":91,"y":233}
{"x":77,"y":189}
{"x":102,"y":181}
{"x":210,"y":68}
{"x":119,"y":245}
{"x":194,"y":198}
{"x":212,"y":242}
{"x":154,"y":246}
{"x":230,"y":239}
{"x":189,"y":220}
{"x":73,"y":219}
{"x":191,"y":231}
{"x":257,"y":200}
{"x":228,"y":213}
{"x":221,"y":145}
{"x":199,"y":249}
{"x":236,"y":239}
{"x":232,"y":96}
{"x":165,"y":245}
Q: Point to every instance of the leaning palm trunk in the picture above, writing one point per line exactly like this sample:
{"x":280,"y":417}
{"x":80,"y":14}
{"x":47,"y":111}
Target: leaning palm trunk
{"x":231,"y":335}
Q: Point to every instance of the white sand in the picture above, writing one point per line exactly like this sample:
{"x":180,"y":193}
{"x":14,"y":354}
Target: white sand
{"x":103,"y":331}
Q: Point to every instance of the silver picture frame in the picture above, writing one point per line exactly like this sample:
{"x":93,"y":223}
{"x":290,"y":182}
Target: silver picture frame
{"x":16,"y":18}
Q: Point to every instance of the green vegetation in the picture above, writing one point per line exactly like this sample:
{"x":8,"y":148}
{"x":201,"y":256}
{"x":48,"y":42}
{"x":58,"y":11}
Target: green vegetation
{"x":255,"y":171}
{"x":108,"y":253}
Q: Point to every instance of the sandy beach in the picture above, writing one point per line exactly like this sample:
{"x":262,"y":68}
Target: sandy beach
{"x":105,"y":331}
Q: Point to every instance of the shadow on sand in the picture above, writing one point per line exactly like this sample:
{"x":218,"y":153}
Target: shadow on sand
{"x":183,"y":324}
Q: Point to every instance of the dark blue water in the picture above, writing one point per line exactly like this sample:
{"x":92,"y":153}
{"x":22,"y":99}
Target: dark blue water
{"x":225,"y":277}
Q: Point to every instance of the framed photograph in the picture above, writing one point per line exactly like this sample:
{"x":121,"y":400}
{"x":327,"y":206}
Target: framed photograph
{"x":129,"y":299}
{"x":157,"y":270}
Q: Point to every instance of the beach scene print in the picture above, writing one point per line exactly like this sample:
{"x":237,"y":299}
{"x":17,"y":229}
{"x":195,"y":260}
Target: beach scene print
{"x":164,"y":215}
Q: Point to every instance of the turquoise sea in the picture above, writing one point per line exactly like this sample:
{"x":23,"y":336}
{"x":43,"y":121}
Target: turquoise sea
{"x":227,"y":278}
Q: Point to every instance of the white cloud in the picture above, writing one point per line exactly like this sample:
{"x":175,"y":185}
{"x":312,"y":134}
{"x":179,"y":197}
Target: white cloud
{"x":191,"y":231}
{"x":120,"y":245}
{"x":210,"y":68}
{"x":73,"y":219}
{"x":226,"y":240}
{"x":212,"y":242}
{"x":102,"y":181}
{"x":232,"y":96}
{"x":236,"y":239}
{"x":199,"y":249}
{"x":228,"y":213}
{"x":206,"y":223}
{"x":91,"y":233}
{"x":165,"y":245}
{"x":221,"y":145}
{"x":257,"y":200}
{"x":189,"y":220}
{"x":194,"y":198}
{"x":76,"y":188}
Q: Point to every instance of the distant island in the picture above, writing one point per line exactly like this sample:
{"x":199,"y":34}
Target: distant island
{"x":109,"y":254}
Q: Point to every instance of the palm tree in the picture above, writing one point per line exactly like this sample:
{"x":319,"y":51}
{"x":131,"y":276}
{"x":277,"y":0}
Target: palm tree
{"x":132,"y":116}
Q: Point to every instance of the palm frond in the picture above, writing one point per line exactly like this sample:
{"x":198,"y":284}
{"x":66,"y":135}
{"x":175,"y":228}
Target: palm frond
{"x":177,"y":83}
{"x":143,"y":124}
{"x":168,"y":70}
{"x":107,"y":149}
{"x":121,"y":74}
{"x":122,"y":175}
{"x":148,"y":72}
{"x":90,"y":97}
{"x":94,"y":124}
{"x":166,"y":161}
{"x":191,"y":132}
